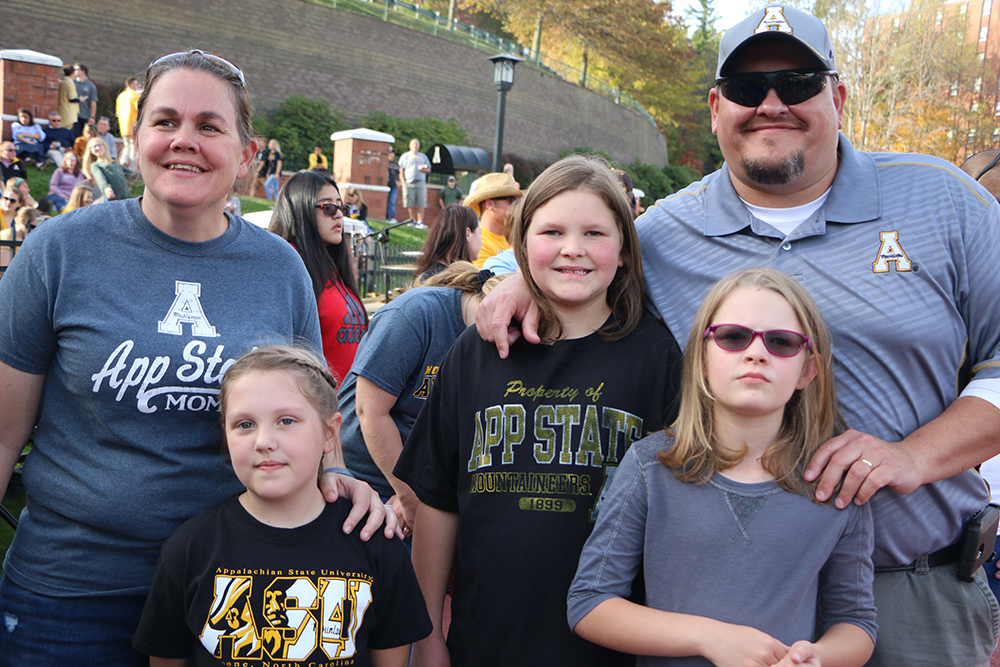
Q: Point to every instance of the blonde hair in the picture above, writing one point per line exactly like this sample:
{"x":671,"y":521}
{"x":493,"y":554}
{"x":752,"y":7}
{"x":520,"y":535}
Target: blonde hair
{"x":625,"y":294}
{"x":463,"y":276}
{"x":354,"y":192}
{"x":810,"y":418}
{"x":312,"y":374}
{"x":88,"y":155}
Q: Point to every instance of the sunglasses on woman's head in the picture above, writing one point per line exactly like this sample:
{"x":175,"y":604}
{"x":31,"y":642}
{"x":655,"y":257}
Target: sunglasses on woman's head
{"x":780,"y":343}
{"x":330,"y":209}
{"x":211,"y":57}
{"x":793,"y":87}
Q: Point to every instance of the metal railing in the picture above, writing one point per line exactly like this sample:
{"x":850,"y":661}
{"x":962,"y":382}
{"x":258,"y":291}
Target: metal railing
{"x":432,"y":23}
{"x":385,"y":267}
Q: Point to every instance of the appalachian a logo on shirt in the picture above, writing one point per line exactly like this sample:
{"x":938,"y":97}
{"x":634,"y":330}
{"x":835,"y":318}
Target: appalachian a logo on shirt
{"x":891,"y":252}
{"x":423,"y":389}
{"x":186,"y":309}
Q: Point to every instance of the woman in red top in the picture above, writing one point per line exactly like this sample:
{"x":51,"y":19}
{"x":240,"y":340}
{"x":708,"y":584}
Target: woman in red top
{"x":309,"y":214}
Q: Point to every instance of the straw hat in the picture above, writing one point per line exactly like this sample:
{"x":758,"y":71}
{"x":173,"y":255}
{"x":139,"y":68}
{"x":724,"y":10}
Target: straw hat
{"x":492,"y":186}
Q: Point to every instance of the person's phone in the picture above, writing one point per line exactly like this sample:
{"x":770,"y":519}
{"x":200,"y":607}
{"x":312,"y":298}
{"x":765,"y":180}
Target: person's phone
{"x":978,"y":540}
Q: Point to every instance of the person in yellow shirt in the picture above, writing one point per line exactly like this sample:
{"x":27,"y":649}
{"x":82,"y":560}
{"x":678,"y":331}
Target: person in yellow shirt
{"x":490,"y":201}
{"x":126,"y":108}
{"x":317,"y":160}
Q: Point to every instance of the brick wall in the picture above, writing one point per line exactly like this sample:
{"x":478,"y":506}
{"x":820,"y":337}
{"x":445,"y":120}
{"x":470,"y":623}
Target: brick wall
{"x":30,"y":85}
{"x":359,"y":64}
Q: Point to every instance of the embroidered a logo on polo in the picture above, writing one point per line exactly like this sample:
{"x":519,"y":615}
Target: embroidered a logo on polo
{"x":774,"y":21}
{"x":891,"y":252}
{"x":186,"y":308}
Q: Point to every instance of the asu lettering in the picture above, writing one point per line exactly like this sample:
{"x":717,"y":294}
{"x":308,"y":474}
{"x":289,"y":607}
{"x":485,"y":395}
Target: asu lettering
{"x":290,"y":619}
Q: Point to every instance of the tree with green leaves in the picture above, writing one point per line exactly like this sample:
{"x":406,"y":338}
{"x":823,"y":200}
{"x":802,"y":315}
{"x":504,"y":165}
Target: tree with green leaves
{"x":428,"y":130}
{"x":299,"y":123}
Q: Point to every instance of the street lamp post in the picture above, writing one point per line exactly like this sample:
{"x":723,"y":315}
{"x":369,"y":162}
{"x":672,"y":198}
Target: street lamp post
{"x":503,"y":80}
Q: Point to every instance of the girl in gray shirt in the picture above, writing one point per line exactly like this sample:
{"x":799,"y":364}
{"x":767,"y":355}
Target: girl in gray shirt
{"x":736,"y":552}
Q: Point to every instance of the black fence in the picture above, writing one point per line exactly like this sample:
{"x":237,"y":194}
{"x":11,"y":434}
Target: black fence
{"x":7,"y":251}
{"x":383,"y":267}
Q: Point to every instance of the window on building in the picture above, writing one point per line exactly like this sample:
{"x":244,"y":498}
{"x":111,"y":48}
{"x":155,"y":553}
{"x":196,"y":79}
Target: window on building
{"x":972,"y":134}
{"x":996,"y":134}
{"x":996,"y":109}
{"x":954,"y":88}
{"x":984,"y":32}
{"x":987,"y":7}
{"x":963,"y":9}
{"x":939,"y":17}
{"x":895,"y":24}
{"x":981,"y":58}
{"x":974,"y":107}
{"x":951,"y":135}
{"x":977,"y":85}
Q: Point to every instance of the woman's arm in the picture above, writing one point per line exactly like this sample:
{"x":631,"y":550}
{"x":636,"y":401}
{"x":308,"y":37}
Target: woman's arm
{"x":632,"y":628}
{"x":387,"y":657}
{"x":363,"y":496}
{"x":167,"y":662}
{"x":374,"y":406}
{"x":434,"y":543}
{"x":20,"y":394}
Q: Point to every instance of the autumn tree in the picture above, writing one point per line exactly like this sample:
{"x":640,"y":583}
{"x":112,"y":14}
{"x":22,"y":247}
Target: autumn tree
{"x":636,"y":45}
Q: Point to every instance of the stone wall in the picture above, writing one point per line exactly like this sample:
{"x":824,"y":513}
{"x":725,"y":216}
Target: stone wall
{"x":359,"y":64}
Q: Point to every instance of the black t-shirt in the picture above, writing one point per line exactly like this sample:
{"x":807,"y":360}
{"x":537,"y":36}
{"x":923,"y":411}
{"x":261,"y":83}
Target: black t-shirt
{"x":229,"y":589}
{"x":523,"y":449}
{"x":269,"y":164}
{"x":15,"y":169}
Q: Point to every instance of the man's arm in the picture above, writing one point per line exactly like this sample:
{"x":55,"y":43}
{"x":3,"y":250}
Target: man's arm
{"x":20,"y":394}
{"x":964,"y":435}
{"x":506,"y":302}
{"x":374,"y":406}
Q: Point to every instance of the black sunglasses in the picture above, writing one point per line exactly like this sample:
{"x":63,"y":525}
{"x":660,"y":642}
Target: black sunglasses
{"x":330,"y":209}
{"x":780,"y":343}
{"x":793,"y":87}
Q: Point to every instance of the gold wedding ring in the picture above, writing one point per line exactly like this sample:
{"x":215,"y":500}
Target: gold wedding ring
{"x":868,"y":463}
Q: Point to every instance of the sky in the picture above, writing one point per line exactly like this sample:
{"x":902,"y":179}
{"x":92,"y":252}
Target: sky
{"x":730,"y":12}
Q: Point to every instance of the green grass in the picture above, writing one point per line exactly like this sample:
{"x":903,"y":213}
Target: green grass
{"x":14,"y":504}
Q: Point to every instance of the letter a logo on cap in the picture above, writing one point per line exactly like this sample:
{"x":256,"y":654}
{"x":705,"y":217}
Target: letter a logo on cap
{"x":774,"y":21}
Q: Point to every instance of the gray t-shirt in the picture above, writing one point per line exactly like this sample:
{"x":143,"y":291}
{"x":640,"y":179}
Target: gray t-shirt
{"x":748,"y":554}
{"x":133,"y":329}
{"x":406,"y":342}
{"x":409,"y":163}
{"x":86,"y":92}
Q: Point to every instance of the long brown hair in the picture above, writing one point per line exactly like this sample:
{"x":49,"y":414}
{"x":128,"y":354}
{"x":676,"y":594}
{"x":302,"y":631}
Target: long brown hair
{"x":625,"y":294}
{"x":811,"y":416}
{"x":447,"y":242}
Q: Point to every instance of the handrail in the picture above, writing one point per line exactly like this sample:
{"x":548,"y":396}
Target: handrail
{"x":415,"y":18}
